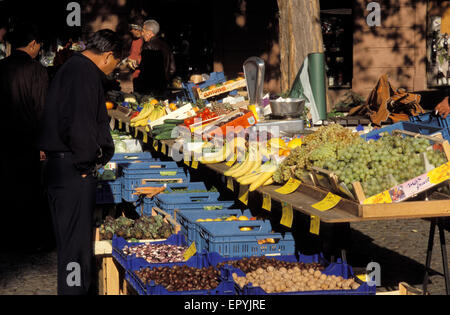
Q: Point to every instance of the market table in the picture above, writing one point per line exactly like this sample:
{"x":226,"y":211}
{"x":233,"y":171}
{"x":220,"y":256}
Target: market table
{"x":436,"y":208}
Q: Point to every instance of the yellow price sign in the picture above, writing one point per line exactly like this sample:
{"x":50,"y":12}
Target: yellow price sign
{"x":244,"y":195}
{"x":315,"y":225}
{"x":194,"y":165}
{"x":230,"y":184}
{"x":384,"y":197}
{"x":440,"y":174}
{"x":145,"y":139}
{"x":288,"y":215}
{"x":136,"y":132}
{"x":187,"y":160}
{"x":163,"y":149}
{"x":191,"y":251}
{"x":267,"y":202}
{"x":330,"y":201}
{"x":120,"y":124}
{"x":291,"y":186}
{"x":155,"y":145}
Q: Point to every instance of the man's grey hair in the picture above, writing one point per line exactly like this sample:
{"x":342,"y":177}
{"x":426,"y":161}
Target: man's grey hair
{"x":152,"y":25}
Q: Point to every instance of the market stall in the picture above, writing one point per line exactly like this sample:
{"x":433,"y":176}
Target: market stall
{"x":320,"y":188}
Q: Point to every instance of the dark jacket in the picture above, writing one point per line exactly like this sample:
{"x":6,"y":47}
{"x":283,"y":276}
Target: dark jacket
{"x":75,"y":118}
{"x":157,"y":44}
{"x":23,"y":88}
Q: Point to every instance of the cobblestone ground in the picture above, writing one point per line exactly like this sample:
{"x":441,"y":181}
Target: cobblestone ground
{"x":399,"y":247}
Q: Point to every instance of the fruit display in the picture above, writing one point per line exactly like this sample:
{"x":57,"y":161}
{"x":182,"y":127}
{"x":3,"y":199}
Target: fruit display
{"x":381,"y":165}
{"x":316,"y":148}
{"x":294,"y":279}
{"x":157,"y":253}
{"x":181,"y":278}
{"x":252,"y":264}
{"x":151,"y":111}
{"x":148,"y":228}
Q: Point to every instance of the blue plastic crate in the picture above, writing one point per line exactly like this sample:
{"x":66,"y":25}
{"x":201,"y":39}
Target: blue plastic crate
{"x":147,"y":204}
{"x":338,"y":269}
{"x":431,"y":119}
{"x":188,"y":220}
{"x":130,"y":157}
{"x":213,"y":205}
{"x":132,"y":181}
{"x":109,"y":192}
{"x":228,"y":240}
{"x":172,"y":201}
{"x":226,"y":286}
{"x":406,"y":126}
{"x":126,"y":261}
{"x":214,"y":78}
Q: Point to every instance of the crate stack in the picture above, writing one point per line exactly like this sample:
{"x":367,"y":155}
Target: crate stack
{"x":109,"y":191}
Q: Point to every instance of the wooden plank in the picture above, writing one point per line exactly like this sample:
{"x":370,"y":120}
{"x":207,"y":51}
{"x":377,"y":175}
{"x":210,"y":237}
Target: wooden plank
{"x":406,"y":289}
{"x":112,"y":277}
{"x":415,"y":209}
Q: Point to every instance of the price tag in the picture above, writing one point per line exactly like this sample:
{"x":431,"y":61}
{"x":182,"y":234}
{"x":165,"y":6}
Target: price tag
{"x":120,"y":125}
{"x":230,"y":184}
{"x":328,"y":203}
{"x":315,"y":225}
{"x":145,"y":140}
{"x":112,"y":124}
{"x":288,"y":215}
{"x":291,"y":186}
{"x":163,"y":149}
{"x":267,"y":202}
{"x":363,"y":278}
{"x":231,"y":162}
{"x":194,"y":165}
{"x":244,"y":195}
{"x":384,"y":197}
{"x":191,"y":251}
{"x":127,"y":128}
{"x":136,"y":132}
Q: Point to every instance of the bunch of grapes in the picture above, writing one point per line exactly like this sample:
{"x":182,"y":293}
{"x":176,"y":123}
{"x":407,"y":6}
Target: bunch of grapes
{"x":318,"y":148}
{"x":382,"y":164}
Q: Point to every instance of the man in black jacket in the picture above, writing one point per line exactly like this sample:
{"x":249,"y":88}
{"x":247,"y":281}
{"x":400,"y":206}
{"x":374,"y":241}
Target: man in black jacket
{"x":23,"y":88}
{"x":158,"y":63}
{"x":76,"y":138}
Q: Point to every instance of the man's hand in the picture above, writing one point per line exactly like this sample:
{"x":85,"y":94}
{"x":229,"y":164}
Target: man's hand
{"x":42,"y":156}
{"x":443,"y":108}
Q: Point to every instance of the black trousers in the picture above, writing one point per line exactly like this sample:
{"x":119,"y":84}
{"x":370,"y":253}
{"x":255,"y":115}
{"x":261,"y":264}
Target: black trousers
{"x":72,"y":203}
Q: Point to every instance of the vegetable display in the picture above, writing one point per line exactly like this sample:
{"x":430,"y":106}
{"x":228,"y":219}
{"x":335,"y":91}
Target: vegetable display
{"x":182,"y":278}
{"x":148,"y":228}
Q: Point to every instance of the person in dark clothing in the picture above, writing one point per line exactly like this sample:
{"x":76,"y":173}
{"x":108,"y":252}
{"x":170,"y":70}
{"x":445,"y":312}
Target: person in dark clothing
{"x":23,"y":88}
{"x":76,"y":138}
{"x":157,"y":64}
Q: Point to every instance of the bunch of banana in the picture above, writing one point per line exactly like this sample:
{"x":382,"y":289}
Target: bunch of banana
{"x":263,"y":176}
{"x":142,"y":119}
{"x":252,"y":162}
{"x":157,"y":113}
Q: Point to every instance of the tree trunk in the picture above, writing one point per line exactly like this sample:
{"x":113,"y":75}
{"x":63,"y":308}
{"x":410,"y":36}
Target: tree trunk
{"x":300,"y":35}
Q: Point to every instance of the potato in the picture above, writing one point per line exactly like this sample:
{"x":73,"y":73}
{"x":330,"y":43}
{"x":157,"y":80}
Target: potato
{"x":323,"y":277}
{"x":317,"y":274}
{"x":305,"y":272}
{"x":259,"y":271}
{"x":270,"y":269}
{"x":355,"y":286}
{"x":311,"y":271}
